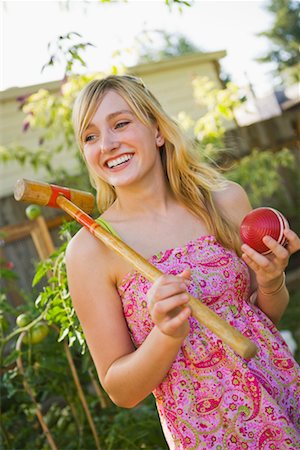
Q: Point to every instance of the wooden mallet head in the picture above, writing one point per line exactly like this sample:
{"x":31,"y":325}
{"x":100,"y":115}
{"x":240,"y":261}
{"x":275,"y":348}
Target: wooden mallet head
{"x":45,"y":194}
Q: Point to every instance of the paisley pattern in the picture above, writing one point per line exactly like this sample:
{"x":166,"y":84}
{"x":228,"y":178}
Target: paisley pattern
{"x":211,"y":398}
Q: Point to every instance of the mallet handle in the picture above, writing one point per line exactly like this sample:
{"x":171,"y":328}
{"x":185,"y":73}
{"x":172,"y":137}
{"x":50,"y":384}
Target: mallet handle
{"x":230,"y":335}
{"x":52,"y":195}
{"x":45,"y":194}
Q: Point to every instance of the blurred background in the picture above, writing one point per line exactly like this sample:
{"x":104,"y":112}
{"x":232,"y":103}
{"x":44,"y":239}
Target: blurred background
{"x":228,"y":72}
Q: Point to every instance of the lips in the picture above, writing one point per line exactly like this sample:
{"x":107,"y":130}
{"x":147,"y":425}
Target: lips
{"x":119,"y":160}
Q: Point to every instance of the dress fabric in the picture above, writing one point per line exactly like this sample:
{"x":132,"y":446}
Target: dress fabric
{"x":211,"y":398}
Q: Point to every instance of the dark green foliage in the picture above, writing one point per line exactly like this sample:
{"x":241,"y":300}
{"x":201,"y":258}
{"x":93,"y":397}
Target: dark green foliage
{"x":157,"y":45}
{"x":46,"y":367}
{"x":284,"y":35}
{"x":48,"y":373}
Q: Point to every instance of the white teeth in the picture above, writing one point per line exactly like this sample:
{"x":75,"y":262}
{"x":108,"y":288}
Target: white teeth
{"x":118,"y":161}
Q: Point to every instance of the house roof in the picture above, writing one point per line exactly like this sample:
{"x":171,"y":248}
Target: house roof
{"x":177,"y":61}
{"x":140,"y":69}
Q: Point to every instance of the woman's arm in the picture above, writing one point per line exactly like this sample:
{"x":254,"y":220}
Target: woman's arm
{"x":267,"y":272}
{"x":127,"y":375}
{"x":272,"y":295}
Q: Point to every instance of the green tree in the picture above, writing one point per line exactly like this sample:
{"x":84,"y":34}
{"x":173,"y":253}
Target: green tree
{"x":156,"y":45}
{"x":284,"y":37}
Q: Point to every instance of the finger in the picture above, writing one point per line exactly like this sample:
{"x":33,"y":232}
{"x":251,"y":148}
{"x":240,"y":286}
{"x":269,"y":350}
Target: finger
{"x":278,"y":250}
{"x":253,"y":265}
{"x":164,"y":281}
{"x":172,"y":325}
{"x":170,"y":305}
{"x":257,"y":259}
{"x":168,"y":290}
{"x":185,"y":274}
{"x":167,"y":279}
{"x":293,"y":240}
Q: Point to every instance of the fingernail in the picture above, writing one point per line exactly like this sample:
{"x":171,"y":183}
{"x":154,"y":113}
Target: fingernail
{"x":267,"y":239}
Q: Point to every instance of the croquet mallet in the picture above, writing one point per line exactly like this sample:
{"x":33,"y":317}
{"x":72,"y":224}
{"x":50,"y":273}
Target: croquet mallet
{"x":75,"y":203}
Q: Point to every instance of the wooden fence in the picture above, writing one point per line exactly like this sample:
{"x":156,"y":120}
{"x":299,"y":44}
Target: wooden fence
{"x":271,"y":134}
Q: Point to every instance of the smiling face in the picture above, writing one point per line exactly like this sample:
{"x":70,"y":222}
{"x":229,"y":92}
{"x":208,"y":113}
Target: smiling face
{"x":117,"y":146}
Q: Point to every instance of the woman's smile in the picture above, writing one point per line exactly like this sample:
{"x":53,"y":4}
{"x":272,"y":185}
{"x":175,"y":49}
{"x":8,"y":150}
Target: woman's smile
{"x":119,"y":162}
{"x":118,"y":146}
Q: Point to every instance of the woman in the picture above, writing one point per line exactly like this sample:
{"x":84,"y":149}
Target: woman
{"x":184,"y":217}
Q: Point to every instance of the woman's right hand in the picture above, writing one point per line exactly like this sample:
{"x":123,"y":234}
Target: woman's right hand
{"x":167,"y":303}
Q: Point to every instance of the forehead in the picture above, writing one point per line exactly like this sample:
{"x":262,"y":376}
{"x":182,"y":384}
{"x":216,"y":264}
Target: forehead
{"x":110,"y":103}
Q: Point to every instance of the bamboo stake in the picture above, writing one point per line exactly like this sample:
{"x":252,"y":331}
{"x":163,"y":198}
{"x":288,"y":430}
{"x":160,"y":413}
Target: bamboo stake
{"x":41,"y":238}
{"x":82,"y":396}
{"x":80,"y":391}
{"x":30,"y":392}
{"x":45,"y":247}
{"x":102,"y":399}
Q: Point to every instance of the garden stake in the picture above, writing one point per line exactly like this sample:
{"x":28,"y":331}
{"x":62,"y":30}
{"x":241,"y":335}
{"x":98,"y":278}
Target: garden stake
{"x":29,"y":391}
{"x":56,"y":196}
{"x":80,"y":392}
{"x":42,"y":238}
{"x":45,"y":247}
{"x":104,"y":402}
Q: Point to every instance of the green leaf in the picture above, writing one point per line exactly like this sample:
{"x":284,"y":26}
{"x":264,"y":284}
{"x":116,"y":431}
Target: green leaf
{"x":42,"y":270}
{"x":63,"y":334}
{"x":11,"y":357}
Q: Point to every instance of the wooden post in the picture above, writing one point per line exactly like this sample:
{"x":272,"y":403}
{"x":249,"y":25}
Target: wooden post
{"x":41,"y":238}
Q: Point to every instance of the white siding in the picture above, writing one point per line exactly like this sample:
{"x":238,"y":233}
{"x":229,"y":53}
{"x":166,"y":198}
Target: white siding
{"x":170,"y":81}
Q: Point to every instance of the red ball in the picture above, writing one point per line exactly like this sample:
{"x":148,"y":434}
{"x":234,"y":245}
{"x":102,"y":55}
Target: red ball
{"x":263,"y":222}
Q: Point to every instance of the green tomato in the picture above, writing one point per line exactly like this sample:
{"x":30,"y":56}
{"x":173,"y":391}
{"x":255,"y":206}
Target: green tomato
{"x":36,"y":334}
{"x":22,"y":320}
{"x":33,"y":211}
{"x":39,"y":332}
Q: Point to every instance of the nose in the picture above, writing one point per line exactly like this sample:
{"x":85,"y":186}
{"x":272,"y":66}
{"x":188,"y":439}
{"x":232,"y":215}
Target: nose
{"x":108,"y":142}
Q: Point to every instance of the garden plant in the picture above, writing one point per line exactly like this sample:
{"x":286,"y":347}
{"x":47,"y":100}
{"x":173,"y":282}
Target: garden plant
{"x":50,"y":393}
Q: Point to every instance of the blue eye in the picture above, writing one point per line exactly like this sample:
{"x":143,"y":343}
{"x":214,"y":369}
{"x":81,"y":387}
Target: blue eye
{"x":121,"y":124}
{"x":89,"y":138}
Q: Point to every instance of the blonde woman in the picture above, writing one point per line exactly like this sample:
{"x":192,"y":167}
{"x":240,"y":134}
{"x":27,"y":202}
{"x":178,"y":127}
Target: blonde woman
{"x":184,"y":217}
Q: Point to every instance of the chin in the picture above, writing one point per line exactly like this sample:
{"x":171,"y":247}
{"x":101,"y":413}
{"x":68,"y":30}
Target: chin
{"x":118,"y":181}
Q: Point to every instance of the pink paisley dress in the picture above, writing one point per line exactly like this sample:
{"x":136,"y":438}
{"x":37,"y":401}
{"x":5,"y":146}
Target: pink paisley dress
{"x":211,"y":398}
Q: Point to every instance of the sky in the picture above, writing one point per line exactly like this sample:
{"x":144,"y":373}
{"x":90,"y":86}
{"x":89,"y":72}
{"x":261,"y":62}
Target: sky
{"x":212,"y":25}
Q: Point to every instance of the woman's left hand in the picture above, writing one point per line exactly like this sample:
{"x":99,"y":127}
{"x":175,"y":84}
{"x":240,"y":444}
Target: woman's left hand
{"x":268,"y":268}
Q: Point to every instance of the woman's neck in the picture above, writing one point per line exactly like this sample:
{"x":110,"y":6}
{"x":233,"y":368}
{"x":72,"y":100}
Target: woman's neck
{"x":155,"y":198}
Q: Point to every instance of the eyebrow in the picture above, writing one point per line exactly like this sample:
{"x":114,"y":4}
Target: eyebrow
{"x":117,"y":113}
{"x":111,"y":116}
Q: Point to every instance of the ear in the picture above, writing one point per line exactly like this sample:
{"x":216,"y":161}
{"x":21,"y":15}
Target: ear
{"x":159,"y":138}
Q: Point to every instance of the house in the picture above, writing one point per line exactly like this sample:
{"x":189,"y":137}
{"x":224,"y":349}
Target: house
{"x":170,"y":80}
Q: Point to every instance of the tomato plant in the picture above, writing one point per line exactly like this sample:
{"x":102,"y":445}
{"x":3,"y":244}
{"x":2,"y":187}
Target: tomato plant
{"x":33,"y":212}
{"x":22,"y":320}
{"x":36,"y":334}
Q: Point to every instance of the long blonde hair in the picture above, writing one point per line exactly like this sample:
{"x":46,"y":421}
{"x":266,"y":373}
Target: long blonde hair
{"x":191,"y":181}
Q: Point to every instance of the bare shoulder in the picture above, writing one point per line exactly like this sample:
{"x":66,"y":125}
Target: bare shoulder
{"x":86,"y":259}
{"x":90,"y":271}
{"x":233,"y":201}
{"x":232,"y":193}
{"x":83,"y":246}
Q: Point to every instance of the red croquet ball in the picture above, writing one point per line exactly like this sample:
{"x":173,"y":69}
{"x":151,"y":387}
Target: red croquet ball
{"x":262,"y":222}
